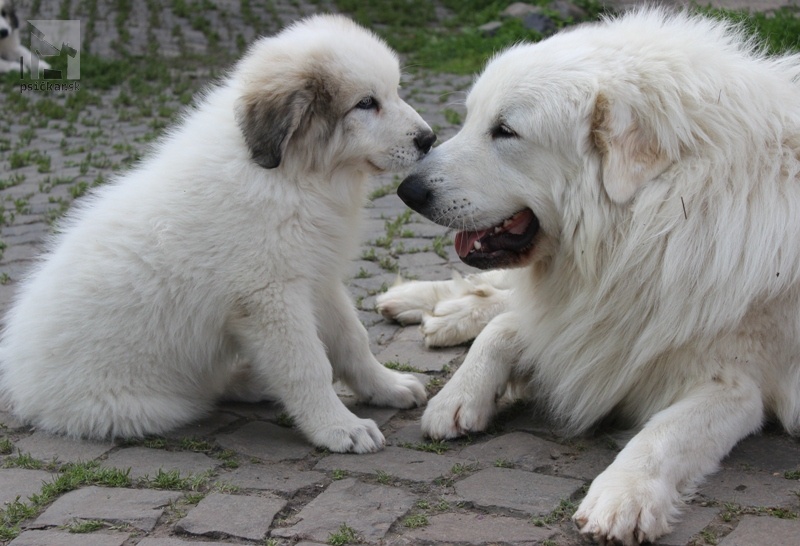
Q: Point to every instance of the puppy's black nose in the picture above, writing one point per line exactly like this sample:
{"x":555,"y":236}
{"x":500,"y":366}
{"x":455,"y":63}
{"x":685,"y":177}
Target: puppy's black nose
{"x":3,"y":33}
{"x":415,"y":193}
{"x":424,"y":140}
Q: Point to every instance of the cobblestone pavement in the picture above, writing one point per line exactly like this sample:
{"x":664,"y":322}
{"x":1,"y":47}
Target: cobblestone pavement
{"x":243,"y":475}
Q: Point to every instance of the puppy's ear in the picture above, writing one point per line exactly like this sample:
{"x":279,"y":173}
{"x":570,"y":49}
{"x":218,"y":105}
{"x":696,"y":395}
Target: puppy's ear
{"x":12,"y":15}
{"x":271,"y":118}
{"x":631,"y":152}
{"x":268,"y":121}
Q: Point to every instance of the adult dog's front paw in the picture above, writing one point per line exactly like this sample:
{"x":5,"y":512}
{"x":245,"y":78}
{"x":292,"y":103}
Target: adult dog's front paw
{"x":351,"y":435}
{"x":454,"y":322}
{"x":453,"y":413}
{"x":406,"y":302}
{"x":627,"y":507}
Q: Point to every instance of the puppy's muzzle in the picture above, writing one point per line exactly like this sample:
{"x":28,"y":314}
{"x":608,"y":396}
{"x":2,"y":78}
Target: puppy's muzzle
{"x":424,"y":140}
{"x":3,"y":33}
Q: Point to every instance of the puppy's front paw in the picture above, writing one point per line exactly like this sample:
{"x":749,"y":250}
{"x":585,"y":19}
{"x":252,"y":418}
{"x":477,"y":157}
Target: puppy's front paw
{"x":453,"y":413}
{"x":398,"y":390}
{"x":627,"y":507}
{"x":352,"y":435}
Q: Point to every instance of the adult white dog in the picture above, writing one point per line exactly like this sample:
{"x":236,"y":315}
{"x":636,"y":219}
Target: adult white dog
{"x":227,"y":244}
{"x":644,"y":173}
{"x":12,"y":52}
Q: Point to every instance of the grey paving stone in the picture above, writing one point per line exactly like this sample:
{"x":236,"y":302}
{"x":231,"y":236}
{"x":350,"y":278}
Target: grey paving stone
{"x":478,"y":529}
{"x":166,"y":541}
{"x":140,"y":508}
{"x":507,"y":488}
{"x":421,"y":260}
{"x":753,"y":530}
{"x":380,"y":415}
{"x":767,"y":452}
{"x":410,"y":434}
{"x":234,"y":515}
{"x":751,"y":488}
{"x":147,"y":462}
{"x":272,"y":477}
{"x":47,"y":447}
{"x":520,"y":448}
{"x":63,"y":538}
{"x":406,"y":464}
{"x":584,"y":465}
{"x":693,"y":520}
{"x":22,"y":483}
{"x":369,"y":509}
{"x":267,"y":441}
{"x":415,"y":354}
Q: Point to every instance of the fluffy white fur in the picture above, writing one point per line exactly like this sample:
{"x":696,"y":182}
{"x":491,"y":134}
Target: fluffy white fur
{"x":11,"y":48}
{"x":216,"y":265}
{"x":661,"y":155}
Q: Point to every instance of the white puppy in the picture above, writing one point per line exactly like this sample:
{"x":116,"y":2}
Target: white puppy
{"x":11,"y":48}
{"x":228,"y":243}
{"x":644,"y":175}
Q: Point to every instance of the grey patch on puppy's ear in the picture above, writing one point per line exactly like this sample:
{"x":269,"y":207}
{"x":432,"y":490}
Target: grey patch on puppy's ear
{"x":267,"y":123}
{"x":270,"y":120}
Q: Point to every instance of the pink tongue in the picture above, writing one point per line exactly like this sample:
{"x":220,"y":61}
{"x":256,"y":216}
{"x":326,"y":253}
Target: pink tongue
{"x":517,"y":224}
{"x":465,"y":240}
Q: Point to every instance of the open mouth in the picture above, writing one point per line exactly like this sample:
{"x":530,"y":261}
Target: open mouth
{"x":507,"y":244}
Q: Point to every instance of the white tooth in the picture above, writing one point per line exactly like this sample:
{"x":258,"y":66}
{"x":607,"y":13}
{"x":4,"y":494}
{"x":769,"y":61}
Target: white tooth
{"x":506,"y":222}
{"x":497,"y":230}
{"x":477,"y":245}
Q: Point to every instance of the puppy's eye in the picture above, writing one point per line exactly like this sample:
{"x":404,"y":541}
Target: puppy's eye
{"x":2,"y":13}
{"x":502,"y":131}
{"x":367,"y":103}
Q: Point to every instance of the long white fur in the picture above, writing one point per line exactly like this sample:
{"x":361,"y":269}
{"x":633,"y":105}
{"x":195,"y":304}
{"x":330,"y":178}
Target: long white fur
{"x":661,"y":154}
{"x":200,"y":272}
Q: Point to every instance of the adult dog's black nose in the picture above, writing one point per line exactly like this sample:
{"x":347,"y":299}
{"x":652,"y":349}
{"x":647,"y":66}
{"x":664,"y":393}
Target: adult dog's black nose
{"x":415,"y":193}
{"x":424,"y":140}
{"x":3,"y":33}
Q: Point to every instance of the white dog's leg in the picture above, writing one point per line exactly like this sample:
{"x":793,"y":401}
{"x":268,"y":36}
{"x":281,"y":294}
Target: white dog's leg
{"x":278,"y":334}
{"x":468,"y":401}
{"x":451,"y":312}
{"x":638,"y":496}
{"x":348,"y":348}
{"x":8,"y":66}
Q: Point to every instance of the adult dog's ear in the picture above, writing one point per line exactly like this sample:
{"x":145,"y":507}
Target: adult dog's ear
{"x":271,"y":116}
{"x":631,"y":152}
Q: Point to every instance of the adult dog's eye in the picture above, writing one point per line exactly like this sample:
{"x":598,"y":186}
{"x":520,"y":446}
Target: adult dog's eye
{"x":367,"y":103}
{"x":502,"y":130}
